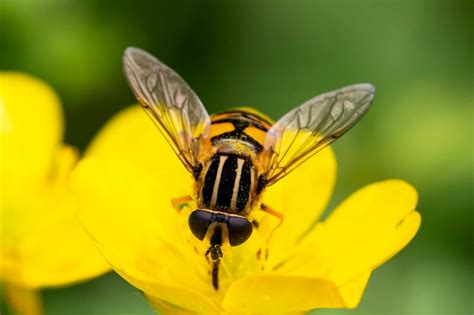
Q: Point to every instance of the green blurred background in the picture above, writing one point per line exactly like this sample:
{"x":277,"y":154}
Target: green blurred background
{"x":273,"y":56}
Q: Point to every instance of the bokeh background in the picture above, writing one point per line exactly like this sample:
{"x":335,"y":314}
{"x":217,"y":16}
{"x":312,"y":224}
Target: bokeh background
{"x":273,"y":56}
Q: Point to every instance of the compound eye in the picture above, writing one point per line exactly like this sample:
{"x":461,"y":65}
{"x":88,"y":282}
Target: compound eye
{"x":239,"y":229}
{"x":199,"y":221}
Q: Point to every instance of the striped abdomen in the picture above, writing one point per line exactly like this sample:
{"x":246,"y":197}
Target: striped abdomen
{"x":228,"y":183}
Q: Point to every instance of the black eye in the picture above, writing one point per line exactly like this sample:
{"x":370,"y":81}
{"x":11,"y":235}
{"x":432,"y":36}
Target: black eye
{"x":199,"y":221}
{"x":240,"y":230}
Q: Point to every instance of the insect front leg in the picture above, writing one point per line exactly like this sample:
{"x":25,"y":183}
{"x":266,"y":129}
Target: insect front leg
{"x":263,"y":252}
{"x":273,"y":212}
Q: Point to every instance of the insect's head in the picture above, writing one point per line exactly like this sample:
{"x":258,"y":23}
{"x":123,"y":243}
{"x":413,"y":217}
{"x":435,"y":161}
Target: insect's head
{"x":219,"y":226}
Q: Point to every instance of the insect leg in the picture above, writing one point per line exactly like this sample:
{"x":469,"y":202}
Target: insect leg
{"x":180,"y":203}
{"x":253,"y":220}
{"x":273,"y":212}
{"x":280,"y":216}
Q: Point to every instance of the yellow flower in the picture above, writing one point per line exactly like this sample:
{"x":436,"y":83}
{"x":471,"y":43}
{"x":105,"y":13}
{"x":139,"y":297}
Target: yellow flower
{"x":41,"y":242}
{"x":126,"y":185}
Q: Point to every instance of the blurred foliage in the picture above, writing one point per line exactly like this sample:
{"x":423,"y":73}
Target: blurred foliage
{"x":273,"y":56}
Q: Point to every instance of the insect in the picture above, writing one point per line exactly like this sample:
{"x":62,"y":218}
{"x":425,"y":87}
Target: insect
{"x":236,"y":154}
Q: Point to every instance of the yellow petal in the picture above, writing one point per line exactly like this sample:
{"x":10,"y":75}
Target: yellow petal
{"x":301,"y":196}
{"x":30,"y":130}
{"x":166,"y":308}
{"x":132,"y":136}
{"x":128,"y":213}
{"x":271,"y":293}
{"x":41,"y":242}
{"x":121,"y":203}
{"x":367,"y":229}
{"x":374,"y":223}
{"x":180,"y":300}
{"x":353,"y":290}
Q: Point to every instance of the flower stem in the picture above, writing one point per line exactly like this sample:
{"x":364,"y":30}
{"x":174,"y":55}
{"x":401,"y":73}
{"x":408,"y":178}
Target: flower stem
{"x":23,"y":301}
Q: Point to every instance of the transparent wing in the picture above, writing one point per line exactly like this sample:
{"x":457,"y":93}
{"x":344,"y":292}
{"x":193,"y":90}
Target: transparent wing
{"x":169,"y":101}
{"x":313,"y":125}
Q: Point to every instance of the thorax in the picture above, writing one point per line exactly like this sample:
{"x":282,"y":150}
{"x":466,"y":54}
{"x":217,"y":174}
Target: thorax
{"x":227,"y":183}
{"x":228,"y":179}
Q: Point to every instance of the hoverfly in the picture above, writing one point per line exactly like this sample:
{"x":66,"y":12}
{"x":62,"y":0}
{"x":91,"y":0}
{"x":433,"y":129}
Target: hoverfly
{"x":233,"y":156}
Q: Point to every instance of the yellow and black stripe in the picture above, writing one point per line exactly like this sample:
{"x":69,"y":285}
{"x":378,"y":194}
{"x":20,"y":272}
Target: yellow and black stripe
{"x":230,"y":176}
{"x":239,"y":125}
{"x":228,"y":183}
